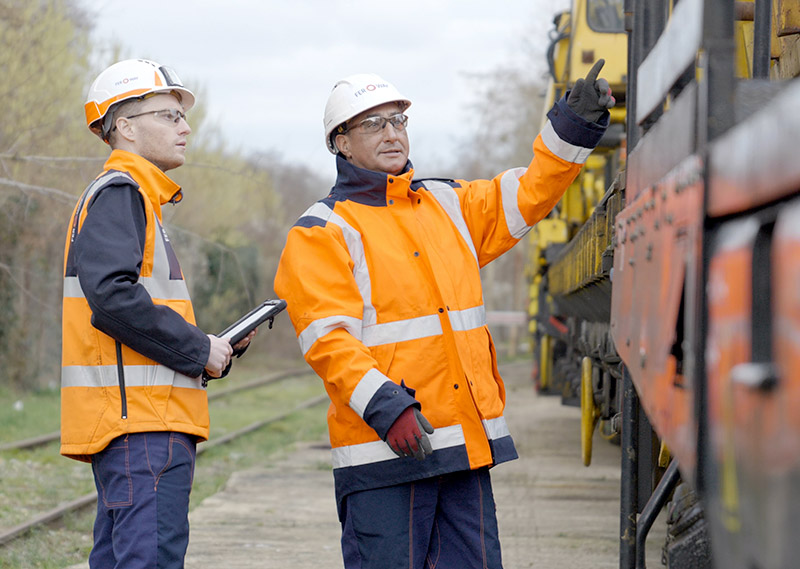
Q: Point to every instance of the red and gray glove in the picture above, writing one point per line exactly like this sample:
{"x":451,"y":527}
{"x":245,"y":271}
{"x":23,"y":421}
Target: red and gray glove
{"x":408,"y":435}
{"x":591,"y":97}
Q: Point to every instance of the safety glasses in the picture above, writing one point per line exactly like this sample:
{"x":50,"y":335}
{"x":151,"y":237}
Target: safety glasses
{"x":371,"y":125}
{"x":171,"y":115}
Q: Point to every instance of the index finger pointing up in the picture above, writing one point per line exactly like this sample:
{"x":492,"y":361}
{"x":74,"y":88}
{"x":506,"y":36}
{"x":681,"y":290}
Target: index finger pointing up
{"x":594,"y":71}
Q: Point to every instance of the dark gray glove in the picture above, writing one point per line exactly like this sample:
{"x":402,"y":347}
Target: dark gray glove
{"x":591,"y":97}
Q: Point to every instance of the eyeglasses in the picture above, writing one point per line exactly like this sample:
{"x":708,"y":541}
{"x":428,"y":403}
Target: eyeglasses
{"x":371,"y":125}
{"x":171,"y":115}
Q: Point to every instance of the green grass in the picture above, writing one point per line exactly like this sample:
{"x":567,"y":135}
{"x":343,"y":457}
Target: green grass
{"x":27,"y":415}
{"x":37,"y":480}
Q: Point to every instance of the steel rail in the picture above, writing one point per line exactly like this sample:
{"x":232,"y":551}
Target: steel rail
{"x":88,"y":499}
{"x":40,"y":440}
{"x":31,"y":442}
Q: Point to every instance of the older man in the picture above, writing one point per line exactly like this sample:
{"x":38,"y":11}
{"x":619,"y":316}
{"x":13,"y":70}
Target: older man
{"x":383,"y":288}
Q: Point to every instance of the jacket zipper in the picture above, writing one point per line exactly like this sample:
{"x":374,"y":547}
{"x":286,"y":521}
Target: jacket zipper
{"x":121,"y":377}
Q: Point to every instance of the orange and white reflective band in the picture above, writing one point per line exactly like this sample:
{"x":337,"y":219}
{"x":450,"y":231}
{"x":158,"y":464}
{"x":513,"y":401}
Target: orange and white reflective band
{"x":562,"y":148}
{"x":392,"y":332}
{"x":442,"y":438}
{"x":366,"y":388}
{"x":379,"y":451}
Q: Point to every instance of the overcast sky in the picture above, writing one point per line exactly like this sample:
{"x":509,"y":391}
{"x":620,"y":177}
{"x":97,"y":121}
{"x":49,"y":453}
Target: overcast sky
{"x":265,"y":68}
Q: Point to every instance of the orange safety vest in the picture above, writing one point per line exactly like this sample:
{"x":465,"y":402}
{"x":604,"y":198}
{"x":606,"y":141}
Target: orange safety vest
{"x":95,"y":408}
{"x":383,"y":288}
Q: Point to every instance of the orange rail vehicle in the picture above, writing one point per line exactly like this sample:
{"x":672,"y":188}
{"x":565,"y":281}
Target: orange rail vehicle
{"x":681,"y":334}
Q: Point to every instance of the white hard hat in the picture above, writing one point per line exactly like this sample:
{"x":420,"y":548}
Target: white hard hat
{"x":352,"y":96}
{"x":129,"y":79}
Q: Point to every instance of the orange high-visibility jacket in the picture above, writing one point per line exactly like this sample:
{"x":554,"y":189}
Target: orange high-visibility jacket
{"x":131,"y":354}
{"x":383,"y":288}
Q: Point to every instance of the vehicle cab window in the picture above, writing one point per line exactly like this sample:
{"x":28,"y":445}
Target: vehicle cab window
{"x":605,"y":15}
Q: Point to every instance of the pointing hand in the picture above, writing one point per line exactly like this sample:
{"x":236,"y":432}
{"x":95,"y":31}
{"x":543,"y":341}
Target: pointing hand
{"x":591,"y":97}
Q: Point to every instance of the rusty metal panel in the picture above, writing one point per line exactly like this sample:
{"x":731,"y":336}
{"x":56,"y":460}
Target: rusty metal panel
{"x":657,"y":236}
{"x":786,"y":337}
{"x":754,"y":416}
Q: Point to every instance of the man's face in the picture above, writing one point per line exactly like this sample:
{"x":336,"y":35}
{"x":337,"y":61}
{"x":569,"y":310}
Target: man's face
{"x":383,"y":151}
{"x":158,"y":133}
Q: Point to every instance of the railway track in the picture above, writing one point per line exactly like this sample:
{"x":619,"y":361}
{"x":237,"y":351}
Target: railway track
{"x":41,"y":440}
{"x":90,"y":498}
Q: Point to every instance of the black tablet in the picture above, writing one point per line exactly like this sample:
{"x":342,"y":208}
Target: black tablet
{"x":267,"y":310}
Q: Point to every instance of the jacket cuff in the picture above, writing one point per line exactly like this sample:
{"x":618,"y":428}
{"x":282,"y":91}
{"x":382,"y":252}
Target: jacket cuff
{"x":573,"y":128}
{"x":388,"y":403}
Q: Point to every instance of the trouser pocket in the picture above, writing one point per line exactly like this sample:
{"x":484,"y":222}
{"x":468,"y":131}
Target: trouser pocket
{"x":112,"y":474}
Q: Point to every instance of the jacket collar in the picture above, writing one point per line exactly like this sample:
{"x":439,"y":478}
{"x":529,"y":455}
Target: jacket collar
{"x":159,"y":187}
{"x":368,"y":186}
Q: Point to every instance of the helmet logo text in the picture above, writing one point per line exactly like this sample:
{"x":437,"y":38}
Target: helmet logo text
{"x":127,"y":80}
{"x":370,"y":87}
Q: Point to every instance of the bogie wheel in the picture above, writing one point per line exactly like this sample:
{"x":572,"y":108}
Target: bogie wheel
{"x":588,"y":410}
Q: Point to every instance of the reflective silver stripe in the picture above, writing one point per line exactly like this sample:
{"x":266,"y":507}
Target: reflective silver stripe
{"x":169,"y":289}
{"x":509,"y":187}
{"x":379,"y":451}
{"x":375,"y":335}
{"x":562,"y":148}
{"x":496,"y":428}
{"x":319,"y":328}
{"x":448,"y":199}
{"x":355,"y":247}
{"x":366,"y":389}
{"x":135,"y":376}
{"x":165,"y":289}
{"x":469,"y":319}
{"x":402,"y":330}
{"x":103,"y":180}
{"x":159,"y":285}
{"x":72,"y":288}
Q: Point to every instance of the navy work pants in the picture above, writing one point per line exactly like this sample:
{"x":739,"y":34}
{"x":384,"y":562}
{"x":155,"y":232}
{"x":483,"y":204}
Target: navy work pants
{"x":444,"y":522}
{"x":143,"y":483}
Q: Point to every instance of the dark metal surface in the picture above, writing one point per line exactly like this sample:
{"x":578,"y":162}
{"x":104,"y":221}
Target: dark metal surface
{"x":664,"y":146}
{"x":652,"y":508}
{"x":629,"y":474}
{"x":762,"y":36}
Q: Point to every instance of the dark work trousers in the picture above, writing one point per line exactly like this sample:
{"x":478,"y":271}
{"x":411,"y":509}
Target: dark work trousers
{"x":143,"y":482}
{"x":444,"y":522}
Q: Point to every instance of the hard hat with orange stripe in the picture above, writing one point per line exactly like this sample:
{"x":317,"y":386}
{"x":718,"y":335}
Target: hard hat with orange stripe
{"x":126,"y":80}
